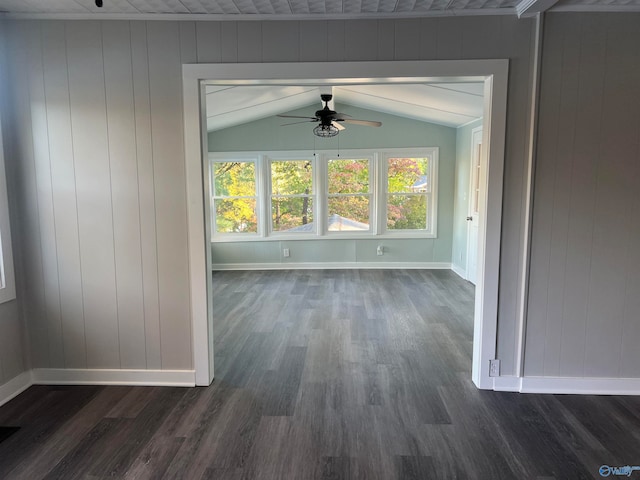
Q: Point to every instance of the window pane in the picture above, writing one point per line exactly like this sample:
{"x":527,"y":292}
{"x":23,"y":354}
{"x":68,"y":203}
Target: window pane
{"x":234,"y":179}
{"x":407,"y":212}
{"x":291,"y":177}
{"x":236,"y":215}
{"x":348,"y":176}
{"x":348,"y":213}
{"x":408,"y":175}
{"x":293,"y":214}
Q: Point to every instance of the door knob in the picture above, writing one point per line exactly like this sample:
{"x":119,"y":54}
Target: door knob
{"x":469,"y":219}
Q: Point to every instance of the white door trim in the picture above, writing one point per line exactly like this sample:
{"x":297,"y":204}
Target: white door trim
{"x":494,"y":74}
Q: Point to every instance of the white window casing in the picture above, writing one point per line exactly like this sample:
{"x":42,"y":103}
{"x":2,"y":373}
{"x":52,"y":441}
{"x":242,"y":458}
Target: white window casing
{"x":320,"y":195}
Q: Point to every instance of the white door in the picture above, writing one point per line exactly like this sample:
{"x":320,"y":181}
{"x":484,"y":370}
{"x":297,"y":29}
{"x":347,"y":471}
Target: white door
{"x":473,"y":215}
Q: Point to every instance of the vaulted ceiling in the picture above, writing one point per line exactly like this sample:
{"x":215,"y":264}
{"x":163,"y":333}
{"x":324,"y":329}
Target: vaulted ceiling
{"x":296,"y":8}
{"x":450,"y":104}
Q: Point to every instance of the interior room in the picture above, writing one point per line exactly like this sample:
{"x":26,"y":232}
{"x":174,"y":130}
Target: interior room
{"x":191,"y":289}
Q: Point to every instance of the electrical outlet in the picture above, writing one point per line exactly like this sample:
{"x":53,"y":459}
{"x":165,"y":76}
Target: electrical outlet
{"x":380,"y":250}
{"x":285,"y":252}
{"x":494,"y":368}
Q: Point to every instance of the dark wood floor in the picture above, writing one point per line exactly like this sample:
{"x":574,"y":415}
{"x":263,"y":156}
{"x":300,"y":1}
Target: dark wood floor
{"x":324,"y":375}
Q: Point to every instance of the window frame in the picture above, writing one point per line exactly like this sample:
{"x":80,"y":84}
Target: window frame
{"x":227,"y":158}
{"x":432,"y":196}
{"x":268,"y":159}
{"x":378,"y":168}
{"x":372,"y":194}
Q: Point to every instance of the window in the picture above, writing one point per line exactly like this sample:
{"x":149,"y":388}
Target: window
{"x":409,"y":193}
{"x":292,"y":196}
{"x":235,"y":199}
{"x":268,"y":195}
{"x":349,"y":194}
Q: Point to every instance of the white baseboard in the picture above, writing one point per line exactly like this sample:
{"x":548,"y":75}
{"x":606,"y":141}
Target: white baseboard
{"x":458,"y":270}
{"x":332,"y":266}
{"x":165,"y":378}
{"x":15,"y":387}
{"x":568,"y":385}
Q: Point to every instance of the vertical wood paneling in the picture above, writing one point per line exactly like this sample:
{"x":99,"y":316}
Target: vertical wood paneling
{"x":407,"y":39}
{"x":33,"y":283}
{"x":124,"y":192}
{"x":12,"y":361}
{"x":481,"y":37}
{"x":209,"y":45}
{"x":361,"y":41}
{"x":165,"y":82}
{"x":449,"y":38}
{"x":428,"y":38}
{"x":280,"y":41}
{"x":515,"y":44}
{"x":229,"y":42}
{"x":386,"y":40}
{"x":188,"y":43}
{"x":12,"y":352}
{"x":64,"y":193}
{"x":582,"y":200}
{"x":586,"y":197}
{"x":545,"y":174}
{"x":42,"y":168}
{"x":311,"y":49}
{"x":559,"y":227}
{"x":335,"y":40}
{"x":616,"y":188}
{"x":248,"y":43}
{"x":146,"y":192}
{"x":93,"y":187}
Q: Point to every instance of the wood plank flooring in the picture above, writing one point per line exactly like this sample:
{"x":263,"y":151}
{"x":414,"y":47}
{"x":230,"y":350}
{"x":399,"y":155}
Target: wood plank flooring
{"x":340,"y":374}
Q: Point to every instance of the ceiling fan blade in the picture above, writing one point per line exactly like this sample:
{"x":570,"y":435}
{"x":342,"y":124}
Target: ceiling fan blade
{"x":341,"y":116}
{"x":337,"y":125}
{"x":368,"y":123}
{"x":296,"y":116}
{"x":296,"y":123}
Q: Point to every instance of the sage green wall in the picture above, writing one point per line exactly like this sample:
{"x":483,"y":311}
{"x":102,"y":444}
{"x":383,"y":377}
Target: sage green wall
{"x":461,"y":195}
{"x":268,"y":135}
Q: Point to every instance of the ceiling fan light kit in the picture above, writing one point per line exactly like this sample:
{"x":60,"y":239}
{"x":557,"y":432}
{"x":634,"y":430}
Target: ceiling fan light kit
{"x":330,"y":121}
{"x":325,"y":131}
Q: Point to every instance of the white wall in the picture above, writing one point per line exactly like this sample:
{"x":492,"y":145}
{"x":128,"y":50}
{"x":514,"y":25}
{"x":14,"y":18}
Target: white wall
{"x":584,"y":303}
{"x":99,"y":113}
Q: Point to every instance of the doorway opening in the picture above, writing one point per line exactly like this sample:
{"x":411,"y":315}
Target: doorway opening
{"x":493,"y":75}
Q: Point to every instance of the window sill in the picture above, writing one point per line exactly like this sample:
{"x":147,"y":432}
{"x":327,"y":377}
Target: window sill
{"x":330,"y":236}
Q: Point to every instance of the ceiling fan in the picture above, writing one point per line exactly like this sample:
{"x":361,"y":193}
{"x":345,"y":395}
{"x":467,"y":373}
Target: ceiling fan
{"x":330,"y":121}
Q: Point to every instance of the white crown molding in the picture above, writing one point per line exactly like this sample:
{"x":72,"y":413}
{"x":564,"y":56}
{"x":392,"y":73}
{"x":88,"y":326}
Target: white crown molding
{"x":595,"y":8}
{"x":568,"y":385}
{"x":256,"y":16}
{"x":331,"y":266}
{"x":529,"y":8}
{"x":15,"y":387}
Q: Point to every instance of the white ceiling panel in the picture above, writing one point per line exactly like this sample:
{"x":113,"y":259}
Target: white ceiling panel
{"x":445,"y":106}
{"x":229,"y":106}
{"x":450,"y":104}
